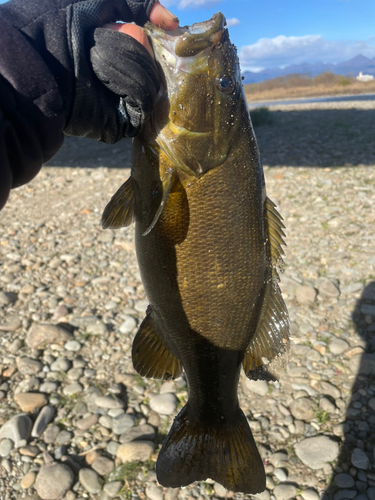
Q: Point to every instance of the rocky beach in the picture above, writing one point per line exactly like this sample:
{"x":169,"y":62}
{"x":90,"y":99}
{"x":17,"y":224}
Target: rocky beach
{"x":77,"y":422}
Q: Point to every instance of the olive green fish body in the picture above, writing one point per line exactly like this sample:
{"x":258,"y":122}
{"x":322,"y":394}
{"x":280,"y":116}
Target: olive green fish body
{"x":208,"y":241}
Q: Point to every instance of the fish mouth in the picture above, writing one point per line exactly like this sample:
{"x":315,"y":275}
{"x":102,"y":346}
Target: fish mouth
{"x":187,"y":41}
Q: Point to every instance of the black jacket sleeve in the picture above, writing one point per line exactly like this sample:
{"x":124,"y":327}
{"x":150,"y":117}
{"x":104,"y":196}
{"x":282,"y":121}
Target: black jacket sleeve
{"x":32,"y":113}
{"x":47,"y":81}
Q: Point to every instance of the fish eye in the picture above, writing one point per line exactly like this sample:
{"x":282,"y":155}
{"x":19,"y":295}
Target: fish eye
{"x":224,"y":84}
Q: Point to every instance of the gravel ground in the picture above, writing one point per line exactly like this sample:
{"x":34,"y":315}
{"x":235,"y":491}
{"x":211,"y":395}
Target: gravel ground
{"x":77,"y":422}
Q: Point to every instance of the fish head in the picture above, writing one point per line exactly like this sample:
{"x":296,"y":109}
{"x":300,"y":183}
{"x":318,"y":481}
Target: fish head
{"x":201,"y":101}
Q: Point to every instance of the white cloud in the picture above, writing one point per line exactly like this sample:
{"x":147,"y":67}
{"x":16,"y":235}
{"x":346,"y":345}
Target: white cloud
{"x":233,"y":22}
{"x":182,"y":4}
{"x":283,"y":51}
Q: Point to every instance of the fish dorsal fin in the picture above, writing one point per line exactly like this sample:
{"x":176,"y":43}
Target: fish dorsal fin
{"x":275,"y":233}
{"x":151,"y":358}
{"x":120,"y":210}
{"x":167,"y":181}
{"x":266,"y":355}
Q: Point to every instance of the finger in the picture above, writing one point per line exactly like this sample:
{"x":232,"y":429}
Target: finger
{"x":134,"y":31}
{"x":160,"y":16}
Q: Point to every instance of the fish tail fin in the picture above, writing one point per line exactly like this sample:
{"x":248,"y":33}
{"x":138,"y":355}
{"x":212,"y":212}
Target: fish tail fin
{"x":226,"y":453}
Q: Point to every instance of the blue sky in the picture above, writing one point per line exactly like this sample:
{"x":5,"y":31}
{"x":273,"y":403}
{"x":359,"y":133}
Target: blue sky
{"x":271,"y":33}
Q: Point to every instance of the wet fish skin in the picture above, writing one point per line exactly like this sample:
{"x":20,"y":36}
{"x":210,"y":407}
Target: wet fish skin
{"x":207,"y":241}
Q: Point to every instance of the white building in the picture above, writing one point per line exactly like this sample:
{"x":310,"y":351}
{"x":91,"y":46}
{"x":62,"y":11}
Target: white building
{"x":364,"y":78}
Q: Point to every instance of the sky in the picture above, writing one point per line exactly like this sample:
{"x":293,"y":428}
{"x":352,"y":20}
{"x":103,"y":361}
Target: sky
{"x":278,"y":33}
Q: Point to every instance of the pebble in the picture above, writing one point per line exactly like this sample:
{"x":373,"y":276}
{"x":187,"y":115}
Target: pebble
{"x":102,"y":466}
{"x":154,"y":492}
{"x":344,"y":480}
{"x":45,"y":416}
{"x":143,"y":432}
{"x":73,"y":388}
{"x":90,"y":481}
{"x":53,"y":481}
{"x":112,"y":488}
{"x":40,"y":335}
{"x":6,"y":446}
{"x":72,"y":346}
{"x":28,"y":480}
{"x":280,"y":474}
{"x":259,"y":387}
{"x":303,"y":409}
{"x":87,"y":421}
{"x":305,"y":294}
{"x":136,"y":450}
{"x":164,"y":404}
{"x":51,"y":434}
{"x":17,"y":429}
{"x":30,"y":401}
{"x":122,"y":423}
{"x":108,"y":402}
{"x":338,"y":346}
{"x":284,"y":491}
{"x":128,"y":325}
{"x":28,"y":366}
{"x":360,"y":459}
{"x":310,"y":494}
{"x":317,"y":451}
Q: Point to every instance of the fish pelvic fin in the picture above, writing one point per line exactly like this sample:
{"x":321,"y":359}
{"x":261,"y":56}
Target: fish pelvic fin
{"x":265,"y":357}
{"x":120,"y":210}
{"x":151,"y":358}
{"x":226,"y":453}
{"x":167,"y":181}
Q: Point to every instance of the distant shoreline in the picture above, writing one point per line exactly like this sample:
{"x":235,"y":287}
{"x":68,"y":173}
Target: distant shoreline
{"x":310,"y":98}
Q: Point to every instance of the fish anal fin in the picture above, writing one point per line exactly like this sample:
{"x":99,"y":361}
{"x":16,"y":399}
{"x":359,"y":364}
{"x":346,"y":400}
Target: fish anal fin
{"x":151,"y":358}
{"x":233,"y":459}
{"x":120,"y":210}
{"x":265,"y":357}
{"x":275,"y":232}
{"x":166,"y":181}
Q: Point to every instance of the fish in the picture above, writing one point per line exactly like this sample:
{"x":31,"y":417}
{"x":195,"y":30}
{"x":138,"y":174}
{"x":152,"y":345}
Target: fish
{"x":209,"y":244}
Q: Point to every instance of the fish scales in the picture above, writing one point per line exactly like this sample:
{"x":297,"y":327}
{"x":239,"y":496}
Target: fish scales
{"x":208,"y":243}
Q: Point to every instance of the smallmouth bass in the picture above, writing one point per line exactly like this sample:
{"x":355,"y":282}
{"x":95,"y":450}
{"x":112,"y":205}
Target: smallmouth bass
{"x":208,"y":243}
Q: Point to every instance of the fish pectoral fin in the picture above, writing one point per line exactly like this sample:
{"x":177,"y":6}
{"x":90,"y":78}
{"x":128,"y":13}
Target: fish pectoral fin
{"x":120,"y":210}
{"x":225,"y":452}
{"x":167,"y":182}
{"x":151,"y":358}
{"x":265,"y":357}
{"x":275,"y":228}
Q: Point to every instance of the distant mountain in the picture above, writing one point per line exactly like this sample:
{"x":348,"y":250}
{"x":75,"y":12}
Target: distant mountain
{"x":353,"y":66}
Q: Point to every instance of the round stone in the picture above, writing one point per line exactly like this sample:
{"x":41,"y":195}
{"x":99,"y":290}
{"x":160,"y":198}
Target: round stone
{"x":72,"y":345}
{"x":6,"y":446}
{"x":344,"y":481}
{"x":73,"y":388}
{"x":108,"y":402}
{"x":154,"y":492}
{"x":317,"y":451}
{"x":259,"y":387}
{"x":112,"y":488}
{"x":128,"y":325}
{"x":338,"y":346}
{"x":17,"y":429}
{"x":103,"y":465}
{"x":28,"y":480}
{"x":53,"y":481}
{"x":303,"y":409}
{"x":310,"y":494}
{"x":305,"y":294}
{"x":165,"y":404}
{"x":284,"y":491}
{"x":90,"y":481}
{"x":136,"y":450}
{"x":30,"y":401}
{"x":281,"y":475}
{"x":360,"y":459}
{"x":39,"y":335}
{"x":45,"y":416}
{"x":122,"y":423}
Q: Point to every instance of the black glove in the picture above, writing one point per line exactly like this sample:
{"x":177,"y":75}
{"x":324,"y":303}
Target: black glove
{"x":62,"y":31}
